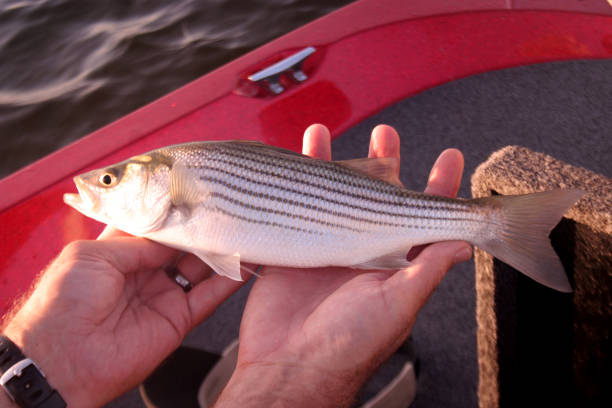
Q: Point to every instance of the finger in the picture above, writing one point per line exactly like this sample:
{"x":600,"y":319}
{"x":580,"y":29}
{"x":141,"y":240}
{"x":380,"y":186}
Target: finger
{"x":112,"y":232}
{"x":440,"y":257}
{"x":125,"y":254}
{"x":385,"y":142}
{"x":409,"y":289}
{"x":205,"y":297}
{"x":194,"y":269}
{"x":444,"y":180}
{"x":317,"y":142}
{"x":445,"y":176}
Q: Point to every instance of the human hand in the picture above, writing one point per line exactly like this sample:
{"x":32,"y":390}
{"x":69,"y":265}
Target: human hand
{"x":311,"y":337}
{"x":105,"y":314}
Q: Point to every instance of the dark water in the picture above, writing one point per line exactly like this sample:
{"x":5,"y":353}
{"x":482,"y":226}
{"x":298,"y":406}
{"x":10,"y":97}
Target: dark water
{"x":68,"y":67}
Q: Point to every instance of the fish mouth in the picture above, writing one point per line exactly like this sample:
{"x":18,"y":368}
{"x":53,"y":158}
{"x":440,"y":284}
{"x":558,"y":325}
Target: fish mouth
{"x":82,"y":201}
{"x":73,"y":200}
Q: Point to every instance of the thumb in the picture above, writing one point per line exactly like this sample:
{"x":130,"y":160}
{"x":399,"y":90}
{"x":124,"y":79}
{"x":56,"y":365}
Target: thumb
{"x":410,"y":288}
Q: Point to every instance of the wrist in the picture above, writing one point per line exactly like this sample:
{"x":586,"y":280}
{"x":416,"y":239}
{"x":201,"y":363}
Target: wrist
{"x":5,"y":400}
{"x":267,"y":384}
{"x":47,"y":359}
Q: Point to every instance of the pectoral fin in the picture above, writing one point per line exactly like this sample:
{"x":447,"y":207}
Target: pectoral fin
{"x":185,"y":190}
{"x":393,"y":260}
{"x":225,"y":265}
{"x":383,"y":168}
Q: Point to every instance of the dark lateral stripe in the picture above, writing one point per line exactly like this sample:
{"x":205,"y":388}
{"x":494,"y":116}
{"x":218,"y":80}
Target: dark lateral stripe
{"x":281,"y":213}
{"x":268,"y":223}
{"x":330,"y":189}
{"x":302,"y":193}
{"x":270,"y":197}
{"x":316,"y":220}
{"x":299,"y":162}
{"x":275,"y":156}
{"x":327,"y":171}
{"x":211,"y":150}
{"x":332,"y":201}
{"x":291,"y":227}
{"x":374,"y":185}
{"x":323,"y":170}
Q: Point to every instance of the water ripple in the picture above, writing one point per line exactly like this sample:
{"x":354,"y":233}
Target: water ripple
{"x":72,"y":66}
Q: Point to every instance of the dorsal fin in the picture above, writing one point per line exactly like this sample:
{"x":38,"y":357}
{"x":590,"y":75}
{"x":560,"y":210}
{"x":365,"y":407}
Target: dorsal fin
{"x":260,"y":145}
{"x":382,"y":168}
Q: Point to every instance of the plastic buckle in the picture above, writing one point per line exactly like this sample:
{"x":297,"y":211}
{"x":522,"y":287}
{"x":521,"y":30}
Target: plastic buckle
{"x":15,"y":371}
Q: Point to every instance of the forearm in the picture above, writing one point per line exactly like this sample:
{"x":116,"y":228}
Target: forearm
{"x":43,"y":341}
{"x":286,"y":386}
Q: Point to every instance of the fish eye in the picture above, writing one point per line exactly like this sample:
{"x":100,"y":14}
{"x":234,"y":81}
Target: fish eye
{"x":107,"y":179}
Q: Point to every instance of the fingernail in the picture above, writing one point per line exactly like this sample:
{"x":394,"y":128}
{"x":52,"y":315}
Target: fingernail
{"x":464,"y":254}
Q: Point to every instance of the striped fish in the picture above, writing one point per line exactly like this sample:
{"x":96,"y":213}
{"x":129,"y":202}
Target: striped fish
{"x":234,"y":201}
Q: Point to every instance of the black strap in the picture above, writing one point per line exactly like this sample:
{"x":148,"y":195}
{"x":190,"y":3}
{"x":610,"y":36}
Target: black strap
{"x":30,"y":389}
{"x":9,"y":354}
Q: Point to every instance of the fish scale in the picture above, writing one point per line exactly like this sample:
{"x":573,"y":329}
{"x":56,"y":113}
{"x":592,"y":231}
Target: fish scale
{"x":235,"y":201}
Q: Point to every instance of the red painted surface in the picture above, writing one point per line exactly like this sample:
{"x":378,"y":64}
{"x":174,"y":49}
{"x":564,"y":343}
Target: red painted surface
{"x":360,"y":69}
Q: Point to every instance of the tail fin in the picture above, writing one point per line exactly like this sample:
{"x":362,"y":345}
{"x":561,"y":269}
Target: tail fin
{"x":523,"y":240}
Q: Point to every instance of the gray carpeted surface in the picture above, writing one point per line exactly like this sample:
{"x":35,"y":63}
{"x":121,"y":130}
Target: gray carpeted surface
{"x":563,"y":109}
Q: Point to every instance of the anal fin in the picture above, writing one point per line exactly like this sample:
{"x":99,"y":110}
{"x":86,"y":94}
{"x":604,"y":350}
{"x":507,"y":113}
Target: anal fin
{"x":226,"y":265}
{"x":222,"y":264}
{"x":392,"y":260}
